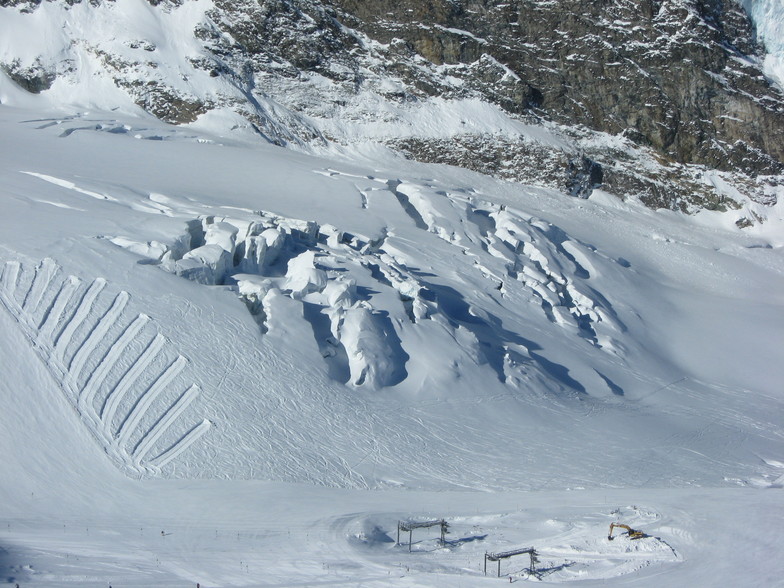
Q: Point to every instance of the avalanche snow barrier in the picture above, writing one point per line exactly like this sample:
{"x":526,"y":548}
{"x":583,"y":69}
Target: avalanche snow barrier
{"x":118,"y":372}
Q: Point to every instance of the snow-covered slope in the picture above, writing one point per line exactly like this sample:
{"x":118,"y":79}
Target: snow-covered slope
{"x":367,"y":291}
{"x":192,"y":307}
{"x":231,"y":363}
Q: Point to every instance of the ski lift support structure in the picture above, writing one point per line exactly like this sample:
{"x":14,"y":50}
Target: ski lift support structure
{"x":507,"y":554}
{"x":409,"y":526}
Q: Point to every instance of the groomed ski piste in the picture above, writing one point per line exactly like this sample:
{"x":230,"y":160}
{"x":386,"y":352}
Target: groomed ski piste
{"x":233,"y":364}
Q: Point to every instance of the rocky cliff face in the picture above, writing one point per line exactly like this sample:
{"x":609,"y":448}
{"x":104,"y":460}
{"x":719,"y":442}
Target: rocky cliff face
{"x":681,"y":76}
{"x":678,"y":80}
{"x":645,"y":98}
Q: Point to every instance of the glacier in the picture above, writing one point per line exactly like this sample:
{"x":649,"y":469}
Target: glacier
{"x":233,"y":364}
{"x":768,"y":19}
{"x":230,"y":363}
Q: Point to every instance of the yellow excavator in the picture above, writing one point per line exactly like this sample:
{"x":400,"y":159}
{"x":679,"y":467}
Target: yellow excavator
{"x":632,"y":533}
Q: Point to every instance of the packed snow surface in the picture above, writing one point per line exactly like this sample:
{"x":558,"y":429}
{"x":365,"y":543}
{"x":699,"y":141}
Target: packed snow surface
{"x":228,"y":363}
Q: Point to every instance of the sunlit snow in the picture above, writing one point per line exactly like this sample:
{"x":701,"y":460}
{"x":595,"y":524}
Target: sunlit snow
{"x":233,"y":364}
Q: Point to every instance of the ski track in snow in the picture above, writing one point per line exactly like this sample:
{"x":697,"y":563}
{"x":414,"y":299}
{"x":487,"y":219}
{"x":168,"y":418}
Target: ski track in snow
{"x":82,"y":346}
{"x":143,"y":405}
{"x":99,"y":332}
{"x":85,"y":306}
{"x":42,"y":279}
{"x":53,"y":316}
{"x":145,"y":445}
{"x":109,"y":361}
{"x":128,"y":381}
{"x":182,"y":444}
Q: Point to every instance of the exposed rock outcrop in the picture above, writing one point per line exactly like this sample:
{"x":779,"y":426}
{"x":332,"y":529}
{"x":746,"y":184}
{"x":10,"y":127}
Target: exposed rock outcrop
{"x":677,"y":84}
{"x":681,"y":76}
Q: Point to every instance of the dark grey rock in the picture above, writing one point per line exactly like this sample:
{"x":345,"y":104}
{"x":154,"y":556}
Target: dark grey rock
{"x":681,"y":76}
{"x":35,"y":78}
